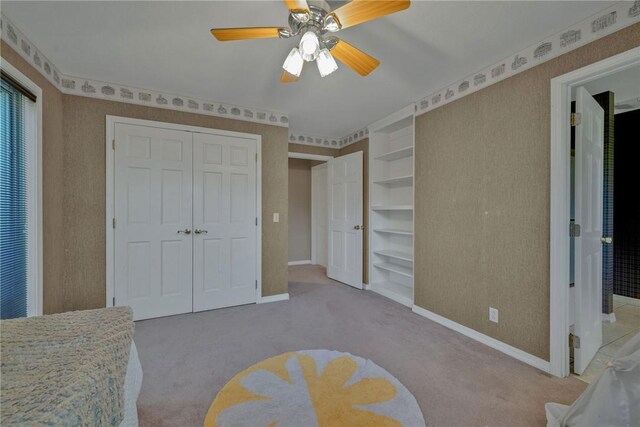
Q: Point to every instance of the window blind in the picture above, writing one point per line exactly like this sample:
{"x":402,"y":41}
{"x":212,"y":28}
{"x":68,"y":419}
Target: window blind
{"x":13,"y":204}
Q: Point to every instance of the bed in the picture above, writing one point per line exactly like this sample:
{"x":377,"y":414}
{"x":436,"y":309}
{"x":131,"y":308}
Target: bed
{"x":76,"y":368}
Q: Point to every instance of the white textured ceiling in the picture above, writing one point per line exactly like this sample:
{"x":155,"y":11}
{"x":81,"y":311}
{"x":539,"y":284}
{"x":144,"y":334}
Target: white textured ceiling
{"x":167,"y":46}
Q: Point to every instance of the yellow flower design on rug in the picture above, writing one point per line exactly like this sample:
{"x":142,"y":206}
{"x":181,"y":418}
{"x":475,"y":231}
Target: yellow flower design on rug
{"x":314,"y":388}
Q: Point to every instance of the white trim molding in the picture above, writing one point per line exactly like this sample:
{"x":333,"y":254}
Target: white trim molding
{"x":306,"y":156}
{"x":33,"y":140}
{"x":626,"y":300}
{"x":608,"y":21}
{"x":303,"y":262}
{"x":82,"y":86}
{"x":273,"y":298}
{"x":507,"y":349}
{"x":561,"y":88}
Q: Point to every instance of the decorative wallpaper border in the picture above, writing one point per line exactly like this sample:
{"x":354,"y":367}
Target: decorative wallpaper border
{"x":337,"y":143}
{"x":114,"y":92}
{"x":608,"y":21}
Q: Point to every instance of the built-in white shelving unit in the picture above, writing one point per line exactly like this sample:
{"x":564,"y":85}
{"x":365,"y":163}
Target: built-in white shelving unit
{"x":391,"y":198}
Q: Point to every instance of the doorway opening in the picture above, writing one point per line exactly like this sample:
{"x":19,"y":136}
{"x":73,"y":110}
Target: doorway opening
{"x":588,"y":212}
{"x":325,"y":218}
{"x":618,"y":95}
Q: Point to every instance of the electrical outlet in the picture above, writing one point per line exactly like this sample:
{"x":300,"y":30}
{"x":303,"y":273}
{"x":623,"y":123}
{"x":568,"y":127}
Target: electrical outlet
{"x":493,"y":314}
{"x":276,"y":217}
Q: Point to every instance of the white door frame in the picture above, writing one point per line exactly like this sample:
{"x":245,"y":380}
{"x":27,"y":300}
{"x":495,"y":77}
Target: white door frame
{"x":314,"y":217}
{"x":317,"y":157}
{"x":561,"y":87}
{"x":110,"y":193}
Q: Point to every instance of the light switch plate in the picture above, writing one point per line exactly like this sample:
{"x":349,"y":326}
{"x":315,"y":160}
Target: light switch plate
{"x":493,"y":314}
{"x":276,"y":217}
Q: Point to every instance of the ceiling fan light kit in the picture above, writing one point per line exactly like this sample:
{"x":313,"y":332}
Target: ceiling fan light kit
{"x":326,"y":63}
{"x":309,"y":46}
{"x":294,"y":62}
{"x":314,"y":19}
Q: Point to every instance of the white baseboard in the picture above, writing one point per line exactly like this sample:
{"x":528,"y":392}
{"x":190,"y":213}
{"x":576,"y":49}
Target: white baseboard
{"x":274,"y":298}
{"x":516,"y":353}
{"x":610,"y":318}
{"x":303,"y":262}
{"x":626,"y":300}
{"x":374,"y":287}
{"x":366,"y":286}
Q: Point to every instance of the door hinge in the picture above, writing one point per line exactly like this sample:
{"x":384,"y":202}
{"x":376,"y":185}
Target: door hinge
{"x":256,"y":221}
{"x":256,"y":157}
{"x":574,"y":229}
{"x":113,"y":144}
{"x":113,"y":222}
{"x":114,"y":301}
{"x":574,"y":341}
{"x":576,"y":119}
{"x":256,"y":284}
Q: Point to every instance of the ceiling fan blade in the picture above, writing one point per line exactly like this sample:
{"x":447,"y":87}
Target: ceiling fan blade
{"x":297,"y":5}
{"x":288,"y":77}
{"x":359,"y":11}
{"x":354,"y":58}
{"x":227,"y":34}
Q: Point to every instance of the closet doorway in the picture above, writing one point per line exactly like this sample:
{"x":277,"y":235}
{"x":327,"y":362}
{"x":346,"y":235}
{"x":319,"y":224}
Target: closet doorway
{"x":183,"y":232}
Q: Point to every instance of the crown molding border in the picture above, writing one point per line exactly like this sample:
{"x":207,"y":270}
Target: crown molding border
{"x":605,"y":22}
{"x":91,"y":88}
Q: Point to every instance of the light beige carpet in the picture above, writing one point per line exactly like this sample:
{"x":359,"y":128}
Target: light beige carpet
{"x":187,"y":359}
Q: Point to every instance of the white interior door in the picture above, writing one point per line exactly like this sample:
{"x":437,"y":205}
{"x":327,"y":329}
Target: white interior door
{"x":345,"y":219}
{"x":588,"y":246}
{"x":224,"y":220}
{"x":153,"y":252}
{"x":319,"y":214}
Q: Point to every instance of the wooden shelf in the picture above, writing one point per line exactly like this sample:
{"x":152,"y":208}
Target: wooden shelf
{"x":395,"y":268}
{"x":396,"y":154}
{"x":401,"y":180}
{"x":393,"y":231}
{"x":392,"y":208}
{"x":403,"y":256}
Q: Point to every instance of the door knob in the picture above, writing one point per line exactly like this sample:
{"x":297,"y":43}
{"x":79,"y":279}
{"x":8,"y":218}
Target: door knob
{"x":199,"y":231}
{"x":608,"y":240}
{"x":358,"y":227}
{"x":185,"y":231}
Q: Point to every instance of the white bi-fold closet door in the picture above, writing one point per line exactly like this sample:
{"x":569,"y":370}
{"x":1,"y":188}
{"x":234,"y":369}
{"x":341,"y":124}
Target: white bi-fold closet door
{"x":185,"y":213}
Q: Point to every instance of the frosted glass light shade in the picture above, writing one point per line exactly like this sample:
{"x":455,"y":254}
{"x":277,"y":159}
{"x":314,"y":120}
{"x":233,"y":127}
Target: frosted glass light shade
{"x":326,"y":63}
{"x":294,"y":62}
{"x":309,"y":46}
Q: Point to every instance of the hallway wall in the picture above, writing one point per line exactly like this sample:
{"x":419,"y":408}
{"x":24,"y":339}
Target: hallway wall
{"x":299,"y":210}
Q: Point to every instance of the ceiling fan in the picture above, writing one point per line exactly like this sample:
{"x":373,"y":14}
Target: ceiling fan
{"x":315,"y":20}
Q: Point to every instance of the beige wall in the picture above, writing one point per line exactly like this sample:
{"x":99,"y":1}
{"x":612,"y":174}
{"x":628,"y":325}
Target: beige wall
{"x":52,"y":186}
{"x":363,"y":145}
{"x":84,"y":194}
{"x":299,"y":210}
{"x":482,"y":202}
{"x":74,"y":191}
